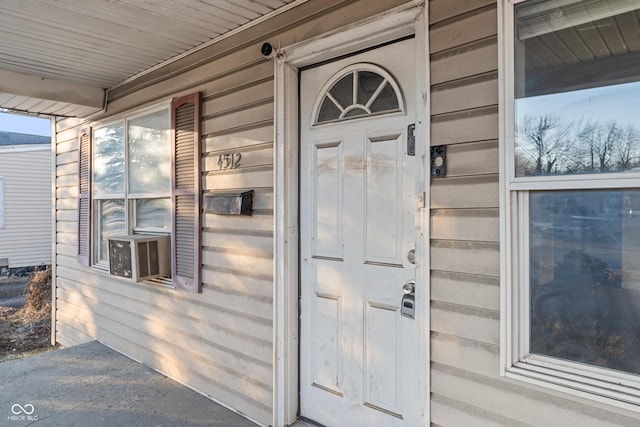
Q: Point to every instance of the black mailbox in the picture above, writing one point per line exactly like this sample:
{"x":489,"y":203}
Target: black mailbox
{"x":229,"y":202}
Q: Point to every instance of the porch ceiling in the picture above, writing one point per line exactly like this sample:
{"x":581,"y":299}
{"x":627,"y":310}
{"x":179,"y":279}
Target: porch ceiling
{"x":58,"y":57}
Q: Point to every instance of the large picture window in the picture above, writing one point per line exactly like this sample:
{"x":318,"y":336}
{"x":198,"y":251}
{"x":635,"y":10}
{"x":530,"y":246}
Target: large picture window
{"x":572,"y":183}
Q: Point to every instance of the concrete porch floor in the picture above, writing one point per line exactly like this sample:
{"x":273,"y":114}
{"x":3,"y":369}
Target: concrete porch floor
{"x":92,"y":385}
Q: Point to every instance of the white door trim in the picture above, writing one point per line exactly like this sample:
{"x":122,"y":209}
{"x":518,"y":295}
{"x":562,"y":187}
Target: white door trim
{"x":391,"y":25}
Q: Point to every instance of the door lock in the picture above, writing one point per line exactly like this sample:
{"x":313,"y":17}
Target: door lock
{"x":408,"y":303}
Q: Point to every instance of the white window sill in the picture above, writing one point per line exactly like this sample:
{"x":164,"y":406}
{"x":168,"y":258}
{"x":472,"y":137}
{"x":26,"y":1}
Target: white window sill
{"x":165,"y":282}
{"x":609,"y":392}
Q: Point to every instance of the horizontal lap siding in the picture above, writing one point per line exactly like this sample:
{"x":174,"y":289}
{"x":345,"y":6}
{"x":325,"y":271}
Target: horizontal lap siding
{"x":219,"y":341}
{"x":465,"y":243}
{"x":25,"y":238}
{"x":465,"y":255}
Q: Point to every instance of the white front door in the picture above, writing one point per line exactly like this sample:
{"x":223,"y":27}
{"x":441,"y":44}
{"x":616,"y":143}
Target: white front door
{"x":358,"y":354}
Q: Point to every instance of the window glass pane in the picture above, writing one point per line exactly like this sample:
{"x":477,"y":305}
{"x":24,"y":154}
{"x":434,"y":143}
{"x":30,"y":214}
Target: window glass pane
{"x":108,"y":160}
{"x":111,"y":222}
{"x":149,"y":154}
{"x":328,"y":111}
{"x":1,"y":202}
{"x":368,"y":83}
{"x":585,"y":276}
{"x":577,"y":86}
{"x":342,"y":91}
{"x":153,"y":214}
{"x":356,"y":112}
{"x":386,"y":100}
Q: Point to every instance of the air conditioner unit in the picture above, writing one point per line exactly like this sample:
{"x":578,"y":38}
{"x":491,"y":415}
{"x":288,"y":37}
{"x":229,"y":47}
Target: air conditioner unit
{"x":139,"y":256}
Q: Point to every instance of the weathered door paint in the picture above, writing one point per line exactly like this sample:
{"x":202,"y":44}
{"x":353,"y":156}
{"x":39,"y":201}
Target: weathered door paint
{"x":358,"y":207}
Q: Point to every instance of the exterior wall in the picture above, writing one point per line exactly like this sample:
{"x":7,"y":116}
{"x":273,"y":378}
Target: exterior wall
{"x":25,"y":238}
{"x":219,"y":342}
{"x":465,"y":254}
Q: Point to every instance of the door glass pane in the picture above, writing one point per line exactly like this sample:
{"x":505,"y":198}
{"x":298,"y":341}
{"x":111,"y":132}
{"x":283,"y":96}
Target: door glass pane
{"x":356,"y":112}
{"x":342,"y":91}
{"x":373,"y":94}
{"x":149,"y":154}
{"x":111,"y":223}
{"x":153,"y":214}
{"x":576,"y":87}
{"x":368,"y":83}
{"x":328,"y":111}
{"x":108,"y":160}
{"x":386,"y":100}
{"x":585,"y":276}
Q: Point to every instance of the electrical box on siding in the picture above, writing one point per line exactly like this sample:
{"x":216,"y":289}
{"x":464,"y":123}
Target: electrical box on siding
{"x":229,"y":202}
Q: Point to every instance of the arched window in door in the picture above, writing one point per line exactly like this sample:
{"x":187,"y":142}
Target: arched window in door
{"x":360,"y":90}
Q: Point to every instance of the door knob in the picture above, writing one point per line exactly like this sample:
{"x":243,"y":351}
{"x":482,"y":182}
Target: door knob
{"x":409,"y":288}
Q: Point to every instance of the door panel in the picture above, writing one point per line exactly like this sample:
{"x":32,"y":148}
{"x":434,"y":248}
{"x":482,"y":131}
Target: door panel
{"x":357,"y":209}
{"x":383,"y":356}
{"x":327,"y":200}
{"x":326,"y":341}
{"x":384,"y":199}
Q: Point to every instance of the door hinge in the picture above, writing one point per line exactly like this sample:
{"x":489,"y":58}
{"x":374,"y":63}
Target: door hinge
{"x":411,"y":140}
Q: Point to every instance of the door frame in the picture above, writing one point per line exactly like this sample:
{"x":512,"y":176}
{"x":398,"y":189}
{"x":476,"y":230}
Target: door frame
{"x":408,"y":19}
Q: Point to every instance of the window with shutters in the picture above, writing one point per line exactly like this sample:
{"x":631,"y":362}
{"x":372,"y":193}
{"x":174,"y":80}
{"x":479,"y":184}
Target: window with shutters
{"x":140,"y":175}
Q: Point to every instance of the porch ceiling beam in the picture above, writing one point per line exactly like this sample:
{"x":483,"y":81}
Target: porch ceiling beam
{"x":33,"y":86}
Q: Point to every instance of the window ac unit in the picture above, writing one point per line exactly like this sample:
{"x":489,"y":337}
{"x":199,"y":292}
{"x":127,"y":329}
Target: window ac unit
{"x":139,"y":256}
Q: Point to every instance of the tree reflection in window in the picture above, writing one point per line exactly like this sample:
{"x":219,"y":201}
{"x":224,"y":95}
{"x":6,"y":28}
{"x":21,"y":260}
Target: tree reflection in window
{"x":359,"y":91}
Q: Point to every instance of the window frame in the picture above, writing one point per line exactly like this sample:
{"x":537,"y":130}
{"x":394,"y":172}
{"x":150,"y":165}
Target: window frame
{"x":344,"y":72}
{"x":579,"y":379}
{"x":128,"y":197}
{"x":1,"y":201}
{"x":186,"y":147}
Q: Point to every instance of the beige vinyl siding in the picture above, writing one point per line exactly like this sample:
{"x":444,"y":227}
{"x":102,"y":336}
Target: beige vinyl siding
{"x":467,"y":389}
{"x":25,"y":238}
{"x":219,"y":342}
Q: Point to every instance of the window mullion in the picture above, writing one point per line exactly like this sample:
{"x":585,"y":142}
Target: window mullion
{"x":127,"y":201}
{"x":524,"y":275}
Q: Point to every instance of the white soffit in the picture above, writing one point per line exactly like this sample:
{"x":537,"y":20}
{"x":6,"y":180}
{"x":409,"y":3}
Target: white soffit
{"x":61,"y":54}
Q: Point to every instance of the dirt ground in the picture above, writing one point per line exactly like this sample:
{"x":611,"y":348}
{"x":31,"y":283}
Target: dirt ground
{"x":27,"y":330}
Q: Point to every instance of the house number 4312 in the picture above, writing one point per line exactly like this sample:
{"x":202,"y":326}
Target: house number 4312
{"x":229,"y":161}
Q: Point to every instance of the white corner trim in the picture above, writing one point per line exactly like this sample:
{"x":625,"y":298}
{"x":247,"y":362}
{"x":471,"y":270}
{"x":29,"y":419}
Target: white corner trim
{"x":54,"y":231}
{"x":402,"y":21}
{"x":505,"y":294}
{"x":285,"y":314}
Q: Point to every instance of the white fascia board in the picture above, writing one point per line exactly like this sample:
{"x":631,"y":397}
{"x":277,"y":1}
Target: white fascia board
{"x":33,"y":86}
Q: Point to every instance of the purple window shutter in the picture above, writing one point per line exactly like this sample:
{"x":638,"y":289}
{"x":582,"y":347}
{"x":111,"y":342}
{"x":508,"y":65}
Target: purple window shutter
{"x":84,"y":197}
{"x":185,"y":192}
